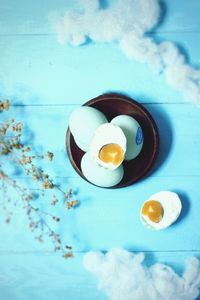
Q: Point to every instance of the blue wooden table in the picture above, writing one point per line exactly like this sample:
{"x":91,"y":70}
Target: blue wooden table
{"x":45,"y":82}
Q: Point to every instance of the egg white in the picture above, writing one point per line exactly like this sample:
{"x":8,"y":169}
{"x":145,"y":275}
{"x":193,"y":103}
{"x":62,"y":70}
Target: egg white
{"x":172,"y":206}
{"x":133,"y":133}
{"x":98,"y":175}
{"x":107,"y":134}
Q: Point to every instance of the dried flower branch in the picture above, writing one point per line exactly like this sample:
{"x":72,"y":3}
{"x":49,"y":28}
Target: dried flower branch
{"x":12,"y":148}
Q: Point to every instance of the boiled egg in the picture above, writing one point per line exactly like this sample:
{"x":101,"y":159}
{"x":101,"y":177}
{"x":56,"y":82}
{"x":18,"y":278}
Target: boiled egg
{"x":108,"y":146}
{"x":161,"y":210}
{"x":133,"y":133}
{"x":83,"y":123}
{"x":98,"y":175}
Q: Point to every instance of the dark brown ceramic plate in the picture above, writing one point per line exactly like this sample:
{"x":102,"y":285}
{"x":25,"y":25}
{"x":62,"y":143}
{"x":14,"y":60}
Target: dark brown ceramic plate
{"x":113,"y":105}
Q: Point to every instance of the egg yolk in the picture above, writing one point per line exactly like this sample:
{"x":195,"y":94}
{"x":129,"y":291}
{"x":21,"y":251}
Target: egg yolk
{"x":153,"y":210}
{"x":111,"y":153}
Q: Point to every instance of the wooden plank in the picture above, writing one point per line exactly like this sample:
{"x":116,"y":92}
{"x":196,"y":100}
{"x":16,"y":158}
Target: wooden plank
{"x":30,"y":17}
{"x":111,"y":218}
{"x":108,"y":218}
{"x":38,"y":70}
{"x":41,"y":277}
{"x":180,"y":16}
{"x":45,"y":127}
{"x":35,"y":18}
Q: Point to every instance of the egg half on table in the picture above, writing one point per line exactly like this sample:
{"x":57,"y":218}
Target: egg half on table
{"x":161,"y":210}
{"x":106,"y":144}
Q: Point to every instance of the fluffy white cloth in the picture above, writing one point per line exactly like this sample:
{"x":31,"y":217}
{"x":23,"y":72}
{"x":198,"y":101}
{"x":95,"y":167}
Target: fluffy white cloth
{"x":126,"y":23}
{"x":123,"y":276}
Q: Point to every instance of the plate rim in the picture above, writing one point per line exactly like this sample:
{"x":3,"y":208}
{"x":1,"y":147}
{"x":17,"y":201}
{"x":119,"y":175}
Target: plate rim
{"x":124,"y":98}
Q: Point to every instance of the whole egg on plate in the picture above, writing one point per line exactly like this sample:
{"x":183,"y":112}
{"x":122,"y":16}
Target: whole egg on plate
{"x":161,"y":210}
{"x":98,"y":175}
{"x":133,"y":133}
{"x":108,"y":146}
{"x":83,"y":122}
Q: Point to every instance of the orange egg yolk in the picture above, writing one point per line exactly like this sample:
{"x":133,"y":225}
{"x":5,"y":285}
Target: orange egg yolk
{"x":111,"y":153}
{"x":153,"y":210}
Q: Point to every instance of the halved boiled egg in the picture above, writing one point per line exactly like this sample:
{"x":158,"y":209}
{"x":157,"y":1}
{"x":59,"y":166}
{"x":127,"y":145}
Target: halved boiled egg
{"x":161,"y":210}
{"x":108,"y":146}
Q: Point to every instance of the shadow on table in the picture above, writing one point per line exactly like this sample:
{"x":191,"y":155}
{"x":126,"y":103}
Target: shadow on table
{"x":104,"y":4}
{"x":163,"y":13}
{"x":185,"y":206}
{"x":165,"y":129}
{"x":164,"y":125}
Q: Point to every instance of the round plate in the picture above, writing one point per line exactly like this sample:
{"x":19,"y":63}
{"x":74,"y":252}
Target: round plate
{"x":113,"y":105}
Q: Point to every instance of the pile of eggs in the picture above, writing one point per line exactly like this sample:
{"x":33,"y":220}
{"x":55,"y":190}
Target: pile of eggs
{"x":107,"y":144}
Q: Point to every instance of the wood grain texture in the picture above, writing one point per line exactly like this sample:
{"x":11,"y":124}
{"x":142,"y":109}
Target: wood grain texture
{"x":45,"y":82}
{"x":46,"y":276}
{"x":174,"y":171}
{"x":178,"y":125}
{"x":35,"y":17}
{"x":50,"y":73}
{"x":111,"y":218}
{"x":51,"y":277}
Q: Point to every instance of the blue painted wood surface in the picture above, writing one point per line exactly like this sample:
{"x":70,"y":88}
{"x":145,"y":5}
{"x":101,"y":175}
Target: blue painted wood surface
{"x":45,"y":82}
